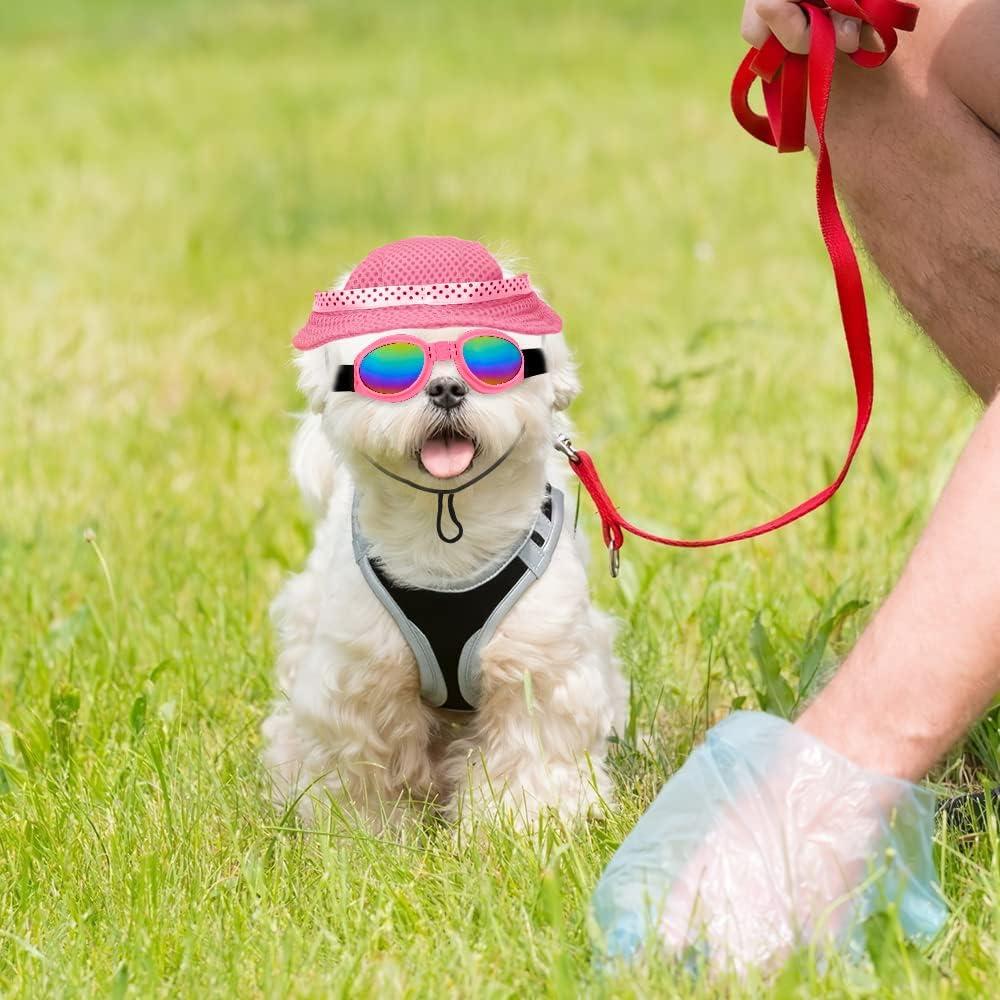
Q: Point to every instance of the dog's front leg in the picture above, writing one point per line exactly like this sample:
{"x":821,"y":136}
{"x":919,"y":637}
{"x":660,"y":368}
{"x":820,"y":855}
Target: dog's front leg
{"x":345,"y":742}
{"x":540,"y":738}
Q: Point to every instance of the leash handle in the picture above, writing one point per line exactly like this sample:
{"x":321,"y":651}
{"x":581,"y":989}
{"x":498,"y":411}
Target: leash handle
{"x":791,"y":83}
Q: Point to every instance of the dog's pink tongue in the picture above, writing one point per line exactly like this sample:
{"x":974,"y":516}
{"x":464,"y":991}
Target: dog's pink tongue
{"x":447,"y":457}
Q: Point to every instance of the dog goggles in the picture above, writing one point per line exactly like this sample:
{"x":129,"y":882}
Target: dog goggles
{"x":398,"y":367}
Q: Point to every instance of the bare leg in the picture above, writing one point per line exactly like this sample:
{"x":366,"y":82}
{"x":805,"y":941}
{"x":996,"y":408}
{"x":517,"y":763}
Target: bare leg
{"x":916,"y":148}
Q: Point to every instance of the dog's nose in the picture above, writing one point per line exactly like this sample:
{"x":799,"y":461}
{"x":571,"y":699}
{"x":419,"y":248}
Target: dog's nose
{"x":446,"y":392}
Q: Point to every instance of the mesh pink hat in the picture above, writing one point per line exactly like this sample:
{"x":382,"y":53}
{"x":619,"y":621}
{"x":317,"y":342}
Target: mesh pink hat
{"x":425,"y":282}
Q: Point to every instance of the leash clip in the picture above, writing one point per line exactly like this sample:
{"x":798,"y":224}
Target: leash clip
{"x":614,"y":558}
{"x":562,"y":443}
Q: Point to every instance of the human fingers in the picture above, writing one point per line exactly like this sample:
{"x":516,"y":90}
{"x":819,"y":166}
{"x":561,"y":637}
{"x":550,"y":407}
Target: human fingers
{"x":848,"y":32}
{"x":785,"y":19}
{"x":788,"y":22}
{"x":753,"y":28}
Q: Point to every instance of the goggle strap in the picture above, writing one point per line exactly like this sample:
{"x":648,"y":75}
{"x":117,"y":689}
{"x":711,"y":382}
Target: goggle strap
{"x":344,"y":382}
{"x":534,"y":361}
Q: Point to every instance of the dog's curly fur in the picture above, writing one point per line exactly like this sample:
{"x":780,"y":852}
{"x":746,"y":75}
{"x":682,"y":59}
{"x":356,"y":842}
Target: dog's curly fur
{"x":351,"y":726}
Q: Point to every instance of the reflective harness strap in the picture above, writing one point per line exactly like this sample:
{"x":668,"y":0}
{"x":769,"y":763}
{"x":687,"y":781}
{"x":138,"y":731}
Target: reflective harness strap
{"x":446,"y":629}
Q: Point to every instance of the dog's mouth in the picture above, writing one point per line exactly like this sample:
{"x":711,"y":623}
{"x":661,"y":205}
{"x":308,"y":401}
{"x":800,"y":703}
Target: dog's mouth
{"x":447,"y":454}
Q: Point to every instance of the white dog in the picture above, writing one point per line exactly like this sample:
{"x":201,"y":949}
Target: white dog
{"x":373,"y":718}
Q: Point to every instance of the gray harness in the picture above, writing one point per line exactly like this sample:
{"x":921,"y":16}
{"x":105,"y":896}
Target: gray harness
{"x":446,"y":629}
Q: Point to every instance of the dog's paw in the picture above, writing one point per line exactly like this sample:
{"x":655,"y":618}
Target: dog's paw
{"x":564,"y":792}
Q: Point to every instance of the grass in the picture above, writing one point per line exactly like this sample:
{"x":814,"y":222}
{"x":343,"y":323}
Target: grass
{"x":177,"y":179}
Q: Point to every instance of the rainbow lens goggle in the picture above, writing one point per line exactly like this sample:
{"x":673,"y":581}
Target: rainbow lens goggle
{"x":398,"y":366}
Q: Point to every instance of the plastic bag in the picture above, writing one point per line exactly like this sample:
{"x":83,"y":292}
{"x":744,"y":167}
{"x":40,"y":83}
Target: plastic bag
{"x":764,"y":841}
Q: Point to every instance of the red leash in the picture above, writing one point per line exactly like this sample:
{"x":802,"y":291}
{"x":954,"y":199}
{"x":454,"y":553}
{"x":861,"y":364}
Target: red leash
{"x":788,"y":81}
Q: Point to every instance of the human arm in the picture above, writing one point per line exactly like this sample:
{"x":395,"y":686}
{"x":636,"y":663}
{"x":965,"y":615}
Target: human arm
{"x":929,"y":663}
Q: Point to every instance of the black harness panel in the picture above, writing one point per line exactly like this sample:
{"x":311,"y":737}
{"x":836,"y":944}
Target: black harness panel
{"x":447,"y":628}
{"x":450,"y":618}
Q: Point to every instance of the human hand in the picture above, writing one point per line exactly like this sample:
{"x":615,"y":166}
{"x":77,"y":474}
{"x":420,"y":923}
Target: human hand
{"x":787,"y":21}
{"x":766,"y":841}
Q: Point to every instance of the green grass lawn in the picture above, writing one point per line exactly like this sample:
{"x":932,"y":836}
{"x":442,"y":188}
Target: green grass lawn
{"x":176,"y":180}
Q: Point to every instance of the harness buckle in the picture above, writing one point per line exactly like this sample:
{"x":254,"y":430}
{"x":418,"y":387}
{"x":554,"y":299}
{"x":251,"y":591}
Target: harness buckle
{"x":615,"y":558}
{"x":562,"y":443}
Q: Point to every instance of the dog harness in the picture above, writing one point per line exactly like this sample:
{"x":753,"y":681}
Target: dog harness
{"x":446,"y":629}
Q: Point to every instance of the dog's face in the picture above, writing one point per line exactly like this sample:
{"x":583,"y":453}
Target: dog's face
{"x":448,"y":432}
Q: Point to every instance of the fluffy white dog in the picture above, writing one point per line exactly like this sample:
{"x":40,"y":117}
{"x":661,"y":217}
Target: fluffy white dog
{"x":355,"y":723}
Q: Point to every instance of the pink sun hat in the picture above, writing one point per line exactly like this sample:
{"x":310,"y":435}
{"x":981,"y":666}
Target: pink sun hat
{"x":425,"y":282}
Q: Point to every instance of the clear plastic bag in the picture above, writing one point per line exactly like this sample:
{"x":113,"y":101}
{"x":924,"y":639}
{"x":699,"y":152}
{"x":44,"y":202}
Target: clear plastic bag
{"x":764,"y":841}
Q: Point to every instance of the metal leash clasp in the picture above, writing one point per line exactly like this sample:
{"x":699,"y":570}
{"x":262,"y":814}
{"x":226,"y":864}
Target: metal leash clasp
{"x":615,"y":558}
{"x":562,"y":443}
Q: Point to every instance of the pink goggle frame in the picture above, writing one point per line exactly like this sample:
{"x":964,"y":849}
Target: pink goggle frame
{"x":531,"y":362}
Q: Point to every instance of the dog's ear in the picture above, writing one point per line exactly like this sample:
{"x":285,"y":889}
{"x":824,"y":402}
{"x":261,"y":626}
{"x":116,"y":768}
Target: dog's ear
{"x":315,"y":375}
{"x":312,"y":463}
{"x":562,"y":368}
{"x":312,"y":460}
